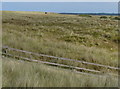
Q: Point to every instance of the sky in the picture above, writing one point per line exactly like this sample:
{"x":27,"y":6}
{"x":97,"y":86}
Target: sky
{"x":60,"y":0}
{"x":62,"y":7}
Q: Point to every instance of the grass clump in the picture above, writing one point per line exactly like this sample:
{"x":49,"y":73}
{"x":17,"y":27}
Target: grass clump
{"x":26,"y":74}
{"x":103,"y":17}
{"x":117,"y":18}
{"x":83,"y":15}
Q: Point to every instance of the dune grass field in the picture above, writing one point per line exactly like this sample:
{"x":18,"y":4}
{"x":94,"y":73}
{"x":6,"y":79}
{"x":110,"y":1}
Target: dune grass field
{"x":39,"y":75}
{"x":90,"y":38}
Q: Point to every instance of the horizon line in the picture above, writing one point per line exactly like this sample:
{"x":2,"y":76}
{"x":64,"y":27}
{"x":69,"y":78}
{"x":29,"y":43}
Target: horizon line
{"x":62,"y":12}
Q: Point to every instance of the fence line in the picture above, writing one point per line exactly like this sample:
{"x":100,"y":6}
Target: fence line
{"x":101,"y":75}
{"x":100,"y":65}
{"x":50,"y":63}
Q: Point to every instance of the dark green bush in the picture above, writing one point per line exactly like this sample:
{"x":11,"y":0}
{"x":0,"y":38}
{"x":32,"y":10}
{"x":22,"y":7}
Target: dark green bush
{"x":103,"y":17}
{"x":117,"y":18}
{"x":83,"y":15}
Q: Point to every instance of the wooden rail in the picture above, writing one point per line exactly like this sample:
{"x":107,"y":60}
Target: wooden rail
{"x":83,"y":62}
{"x":50,"y":63}
{"x":84,"y":73}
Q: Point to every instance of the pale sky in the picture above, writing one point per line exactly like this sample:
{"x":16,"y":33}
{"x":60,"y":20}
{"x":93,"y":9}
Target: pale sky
{"x":60,"y":0}
{"x":62,"y":7}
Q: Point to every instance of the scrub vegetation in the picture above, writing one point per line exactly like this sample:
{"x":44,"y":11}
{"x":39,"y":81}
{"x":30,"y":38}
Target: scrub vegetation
{"x":90,"y":38}
{"x":39,"y":75}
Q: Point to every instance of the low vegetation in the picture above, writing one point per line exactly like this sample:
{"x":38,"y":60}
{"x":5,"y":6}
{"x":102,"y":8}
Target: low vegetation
{"x":117,"y":18}
{"x":39,"y":75}
{"x":70,"y":36}
{"x":88,"y":39}
{"x":103,"y":17}
{"x":83,"y":15}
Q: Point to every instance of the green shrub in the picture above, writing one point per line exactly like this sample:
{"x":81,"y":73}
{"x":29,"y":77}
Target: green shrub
{"x":103,"y":17}
{"x":85,"y":15}
{"x":117,"y":18}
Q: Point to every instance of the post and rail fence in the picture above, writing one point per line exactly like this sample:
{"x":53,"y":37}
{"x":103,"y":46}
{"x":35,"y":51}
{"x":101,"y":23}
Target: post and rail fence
{"x":6,"y":48}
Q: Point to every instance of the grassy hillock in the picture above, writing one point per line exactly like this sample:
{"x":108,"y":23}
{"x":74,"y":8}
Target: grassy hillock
{"x":88,"y":38}
{"x":27,"y":74}
{"x":84,"y":38}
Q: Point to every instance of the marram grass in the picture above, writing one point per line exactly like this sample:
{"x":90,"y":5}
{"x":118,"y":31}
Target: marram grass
{"x":27,"y":74}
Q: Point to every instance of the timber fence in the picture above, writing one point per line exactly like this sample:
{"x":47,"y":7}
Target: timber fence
{"x":6,"y":48}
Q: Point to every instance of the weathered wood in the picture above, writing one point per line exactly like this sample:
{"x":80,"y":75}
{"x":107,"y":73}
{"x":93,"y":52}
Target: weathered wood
{"x":83,"y":62}
{"x":50,"y":63}
{"x":56,"y":64}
